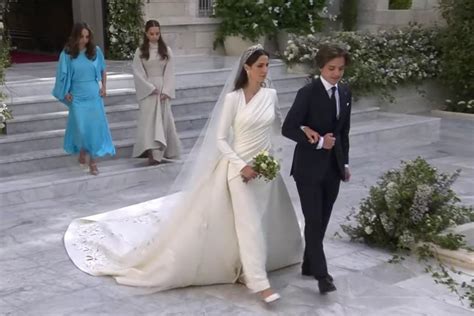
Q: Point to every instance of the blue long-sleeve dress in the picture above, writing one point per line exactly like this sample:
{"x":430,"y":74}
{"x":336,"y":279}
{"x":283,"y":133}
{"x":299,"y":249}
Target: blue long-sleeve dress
{"x":87,"y":127}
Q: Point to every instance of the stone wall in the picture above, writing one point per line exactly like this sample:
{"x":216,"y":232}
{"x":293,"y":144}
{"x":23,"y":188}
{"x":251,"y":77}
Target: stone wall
{"x":182,"y":28}
{"x":374,"y":15}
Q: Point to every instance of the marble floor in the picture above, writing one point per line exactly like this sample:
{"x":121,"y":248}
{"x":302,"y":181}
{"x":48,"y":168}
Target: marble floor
{"x":37,"y":278}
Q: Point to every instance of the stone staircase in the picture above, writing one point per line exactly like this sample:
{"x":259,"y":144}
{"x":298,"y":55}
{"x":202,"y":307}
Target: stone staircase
{"x":33,"y":165}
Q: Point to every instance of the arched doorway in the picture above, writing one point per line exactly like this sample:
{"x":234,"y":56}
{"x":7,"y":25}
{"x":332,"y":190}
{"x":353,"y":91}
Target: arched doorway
{"x":37,"y":29}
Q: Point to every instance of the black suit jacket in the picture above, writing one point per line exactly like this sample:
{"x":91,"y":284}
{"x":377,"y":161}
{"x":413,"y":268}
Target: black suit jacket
{"x":312,"y":107}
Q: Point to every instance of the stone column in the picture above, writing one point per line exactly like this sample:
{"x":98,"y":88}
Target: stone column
{"x":91,"y":12}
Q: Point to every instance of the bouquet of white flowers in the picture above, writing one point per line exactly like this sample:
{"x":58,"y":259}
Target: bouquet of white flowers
{"x":266,"y":166}
{"x":5,"y":114}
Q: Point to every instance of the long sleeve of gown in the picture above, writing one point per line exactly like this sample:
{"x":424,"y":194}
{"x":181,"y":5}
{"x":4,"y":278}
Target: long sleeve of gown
{"x":169,"y":76}
{"x":99,"y":63}
{"x":143,"y":87}
{"x":223,"y":131}
{"x":63,"y":78}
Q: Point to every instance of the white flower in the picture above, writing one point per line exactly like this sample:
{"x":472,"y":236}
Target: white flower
{"x":265,"y":153}
{"x":254,"y":25}
{"x":368,"y":230}
{"x":2,"y":125}
{"x":260,"y":2}
{"x":263,"y":166}
{"x":275,"y":22}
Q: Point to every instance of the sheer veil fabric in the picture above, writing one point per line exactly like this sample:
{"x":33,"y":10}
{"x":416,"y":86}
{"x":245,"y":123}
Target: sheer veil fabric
{"x":187,"y":238}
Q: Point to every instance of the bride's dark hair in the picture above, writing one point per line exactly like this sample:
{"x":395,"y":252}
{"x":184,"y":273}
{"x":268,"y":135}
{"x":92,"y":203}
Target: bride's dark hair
{"x":243,"y":79}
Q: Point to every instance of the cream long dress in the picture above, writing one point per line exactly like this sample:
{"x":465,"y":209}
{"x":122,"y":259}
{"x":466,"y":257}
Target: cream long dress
{"x":156,"y":128}
{"x":195,"y":242}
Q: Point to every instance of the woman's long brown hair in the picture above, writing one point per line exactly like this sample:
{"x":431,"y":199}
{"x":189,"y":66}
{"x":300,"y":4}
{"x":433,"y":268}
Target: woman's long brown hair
{"x":145,"y":47}
{"x":72,"y":46}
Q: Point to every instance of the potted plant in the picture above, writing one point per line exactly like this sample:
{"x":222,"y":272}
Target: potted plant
{"x":243,"y":23}
{"x":298,"y":17}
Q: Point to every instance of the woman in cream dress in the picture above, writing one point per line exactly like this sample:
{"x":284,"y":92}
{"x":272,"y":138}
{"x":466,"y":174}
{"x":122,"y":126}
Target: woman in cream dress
{"x":153,"y":72}
{"x":226,"y":225}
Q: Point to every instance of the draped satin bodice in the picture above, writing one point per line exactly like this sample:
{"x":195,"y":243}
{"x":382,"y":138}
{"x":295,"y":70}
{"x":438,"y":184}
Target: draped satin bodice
{"x":252,"y":125}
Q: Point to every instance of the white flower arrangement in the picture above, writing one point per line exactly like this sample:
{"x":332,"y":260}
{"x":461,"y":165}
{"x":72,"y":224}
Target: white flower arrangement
{"x":5,"y":114}
{"x":266,"y":166}
{"x":380,"y":61}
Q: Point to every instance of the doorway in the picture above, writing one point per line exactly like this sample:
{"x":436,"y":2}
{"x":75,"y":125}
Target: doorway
{"x":38,"y":29}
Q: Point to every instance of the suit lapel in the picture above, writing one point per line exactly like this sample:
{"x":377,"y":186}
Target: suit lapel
{"x":344,"y":104}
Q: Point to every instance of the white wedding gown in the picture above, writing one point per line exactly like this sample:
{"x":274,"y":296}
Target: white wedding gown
{"x":190,"y":238}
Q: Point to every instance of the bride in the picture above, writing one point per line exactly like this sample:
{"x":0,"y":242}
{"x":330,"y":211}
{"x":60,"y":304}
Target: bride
{"x":224,"y":225}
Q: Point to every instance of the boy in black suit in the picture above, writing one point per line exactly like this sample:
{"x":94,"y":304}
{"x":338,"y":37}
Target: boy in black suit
{"x":319,"y":122}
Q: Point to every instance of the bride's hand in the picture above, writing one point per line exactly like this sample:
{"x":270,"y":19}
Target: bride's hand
{"x":247,"y":173}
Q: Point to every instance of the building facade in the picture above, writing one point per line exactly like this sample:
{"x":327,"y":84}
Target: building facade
{"x":187,"y":25}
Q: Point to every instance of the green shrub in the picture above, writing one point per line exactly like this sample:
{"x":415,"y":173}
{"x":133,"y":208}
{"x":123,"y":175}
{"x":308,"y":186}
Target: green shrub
{"x":349,"y":15}
{"x":251,"y":19}
{"x":124,"y":27}
{"x":456,"y":44}
{"x":380,"y":61}
{"x":399,"y":4}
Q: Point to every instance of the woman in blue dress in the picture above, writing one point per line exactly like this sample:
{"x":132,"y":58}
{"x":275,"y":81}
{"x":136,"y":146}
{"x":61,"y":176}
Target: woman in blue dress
{"x":80,"y":69}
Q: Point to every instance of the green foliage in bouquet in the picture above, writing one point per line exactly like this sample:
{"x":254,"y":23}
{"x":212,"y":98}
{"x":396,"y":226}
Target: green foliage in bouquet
{"x":409,"y":209}
{"x":412,"y":204}
{"x":266,"y":166}
{"x":124,"y":28}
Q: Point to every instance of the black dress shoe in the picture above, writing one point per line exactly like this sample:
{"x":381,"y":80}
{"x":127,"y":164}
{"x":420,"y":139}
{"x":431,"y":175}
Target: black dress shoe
{"x":306,"y":272}
{"x":326,"y":285}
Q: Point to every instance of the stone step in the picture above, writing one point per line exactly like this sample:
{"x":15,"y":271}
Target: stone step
{"x":184,"y":119}
{"x":41,"y":103}
{"x":47,"y":140}
{"x":116,"y":113}
{"x":38,"y":80}
{"x":27,"y":162}
{"x":367,"y":136}
{"x":385,"y":130}
{"x":70,"y":181}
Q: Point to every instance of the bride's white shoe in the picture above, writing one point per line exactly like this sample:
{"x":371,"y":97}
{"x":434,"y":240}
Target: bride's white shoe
{"x":268,"y":296}
{"x":272,"y":298}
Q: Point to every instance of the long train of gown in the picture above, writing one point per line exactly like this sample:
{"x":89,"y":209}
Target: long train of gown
{"x":166,"y":245}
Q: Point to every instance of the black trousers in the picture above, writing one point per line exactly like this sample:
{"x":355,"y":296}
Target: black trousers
{"x":317,"y":201}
